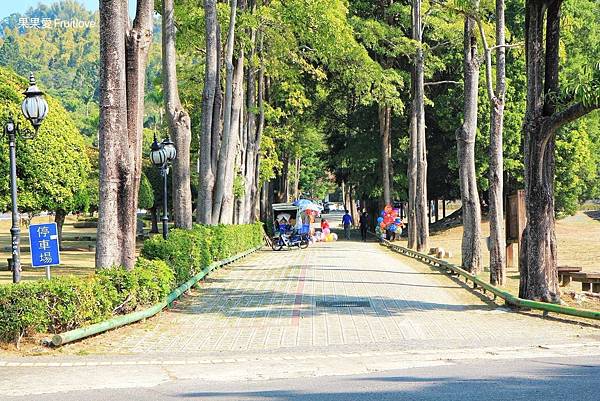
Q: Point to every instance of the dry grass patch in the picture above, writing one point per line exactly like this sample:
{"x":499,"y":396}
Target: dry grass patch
{"x":578,"y":239}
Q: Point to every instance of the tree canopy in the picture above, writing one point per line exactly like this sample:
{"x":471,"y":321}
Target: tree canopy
{"x":53,"y":168}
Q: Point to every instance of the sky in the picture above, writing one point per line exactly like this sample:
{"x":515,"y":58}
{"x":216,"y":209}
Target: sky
{"x":8,"y":7}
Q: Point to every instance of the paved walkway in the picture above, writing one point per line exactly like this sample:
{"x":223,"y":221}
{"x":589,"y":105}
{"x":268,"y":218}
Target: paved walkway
{"x":250,"y":319}
{"x":273,"y":300}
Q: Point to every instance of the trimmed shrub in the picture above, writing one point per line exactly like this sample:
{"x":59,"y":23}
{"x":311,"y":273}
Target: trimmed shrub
{"x":148,"y":283}
{"x":66,"y":303}
{"x":187,"y":252}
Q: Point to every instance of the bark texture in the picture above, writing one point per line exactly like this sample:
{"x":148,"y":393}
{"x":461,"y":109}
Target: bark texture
{"x":465,"y":138}
{"x":229,"y":151}
{"x":206,"y":156}
{"x":255,"y":159}
{"x":123,"y":57}
{"x":417,"y":216}
{"x":496,"y":98}
{"x":411,"y":214}
{"x":537,"y":259}
{"x":385,"y":134}
{"x":179,"y":123}
{"x":59,"y":219}
{"x":226,"y":155}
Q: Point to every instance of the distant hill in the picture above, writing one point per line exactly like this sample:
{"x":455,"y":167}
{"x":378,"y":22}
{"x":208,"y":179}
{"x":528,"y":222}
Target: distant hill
{"x":60,"y":44}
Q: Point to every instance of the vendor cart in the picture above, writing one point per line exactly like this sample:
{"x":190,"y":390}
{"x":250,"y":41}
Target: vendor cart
{"x":289,"y":220}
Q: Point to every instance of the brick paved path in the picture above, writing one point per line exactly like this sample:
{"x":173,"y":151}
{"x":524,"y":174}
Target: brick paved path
{"x":267,"y":302}
{"x":258,"y":319}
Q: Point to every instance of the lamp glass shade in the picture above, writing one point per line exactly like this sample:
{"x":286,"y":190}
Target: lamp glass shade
{"x":35,"y":109}
{"x":34,"y":106}
{"x":170,"y":150}
{"x":158,"y":156}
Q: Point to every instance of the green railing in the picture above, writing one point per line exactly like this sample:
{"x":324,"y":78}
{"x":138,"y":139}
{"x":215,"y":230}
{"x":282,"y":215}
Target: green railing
{"x":509,"y":298}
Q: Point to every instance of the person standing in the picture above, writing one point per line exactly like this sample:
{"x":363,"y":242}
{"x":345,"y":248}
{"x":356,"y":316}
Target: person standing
{"x":364,"y":225}
{"x":347,"y":222}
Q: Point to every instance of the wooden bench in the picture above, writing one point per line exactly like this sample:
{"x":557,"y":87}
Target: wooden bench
{"x":564,"y":274}
{"x":590,"y":281}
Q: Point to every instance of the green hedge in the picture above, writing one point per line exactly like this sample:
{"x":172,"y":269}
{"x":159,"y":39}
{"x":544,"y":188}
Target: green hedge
{"x":189,"y":251}
{"x":65,"y":303}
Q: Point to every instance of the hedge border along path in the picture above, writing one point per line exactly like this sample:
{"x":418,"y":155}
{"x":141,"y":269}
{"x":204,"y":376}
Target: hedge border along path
{"x":77,"y":334}
{"x":67,"y":303}
{"x":506,"y":296}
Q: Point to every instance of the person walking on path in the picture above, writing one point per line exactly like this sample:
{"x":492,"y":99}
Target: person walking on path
{"x":364,"y":225}
{"x":347,"y":222}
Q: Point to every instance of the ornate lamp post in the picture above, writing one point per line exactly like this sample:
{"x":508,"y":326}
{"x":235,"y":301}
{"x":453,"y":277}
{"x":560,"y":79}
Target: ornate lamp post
{"x":35,"y":109}
{"x":161,"y":155}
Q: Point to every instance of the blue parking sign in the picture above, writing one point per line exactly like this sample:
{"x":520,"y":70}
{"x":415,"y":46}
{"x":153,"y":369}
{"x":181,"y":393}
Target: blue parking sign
{"x":43,"y":239}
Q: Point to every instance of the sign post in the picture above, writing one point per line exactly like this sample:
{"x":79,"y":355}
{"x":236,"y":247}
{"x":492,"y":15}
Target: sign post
{"x":43,"y":240}
{"x":516,"y":219}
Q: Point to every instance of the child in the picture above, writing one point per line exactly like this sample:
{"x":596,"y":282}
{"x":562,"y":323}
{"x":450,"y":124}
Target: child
{"x":379,"y":233}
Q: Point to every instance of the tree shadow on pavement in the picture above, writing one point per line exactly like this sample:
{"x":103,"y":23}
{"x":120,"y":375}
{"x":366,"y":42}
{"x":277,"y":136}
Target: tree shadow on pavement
{"x":252,"y":303}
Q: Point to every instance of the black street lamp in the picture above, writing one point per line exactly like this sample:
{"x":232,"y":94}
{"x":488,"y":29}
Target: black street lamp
{"x":35,"y":109}
{"x":161,"y":155}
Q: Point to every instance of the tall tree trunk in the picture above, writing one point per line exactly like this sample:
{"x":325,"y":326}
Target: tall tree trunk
{"x":241,"y":164}
{"x":537,"y":260}
{"x":285,"y":180}
{"x":270,"y":201}
{"x":419,"y":232}
{"x":496,"y":178}
{"x":226,"y":154}
{"x":251,"y":131}
{"x":137,"y":47}
{"x":59,"y":219}
{"x":207,"y":173}
{"x":234,"y":140}
{"x":384,"y":131}
{"x":179,"y":123}
{"x":411,"y":215}
{"x":217,"y":119}
{"x":112,"y":130}
{"x":539,"y":276}
{"x":123,"y":57}
{"x":297,"y":166}
{"x":389,"y":152}
{"x":465,"y":138}
{"x":352,"y":200}
{"x":259,"y":132}
{"x":264,"y":201}
{"x":154,"y":218}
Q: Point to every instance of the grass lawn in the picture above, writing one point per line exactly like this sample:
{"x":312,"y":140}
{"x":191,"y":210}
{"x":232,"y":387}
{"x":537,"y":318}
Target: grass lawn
{"x":77,"y":260}
{"x":578,"y":239}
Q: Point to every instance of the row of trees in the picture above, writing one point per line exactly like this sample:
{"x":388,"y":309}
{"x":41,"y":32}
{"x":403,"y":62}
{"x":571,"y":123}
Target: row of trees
{"x":273,"y":99}
{"x":436,"y":29}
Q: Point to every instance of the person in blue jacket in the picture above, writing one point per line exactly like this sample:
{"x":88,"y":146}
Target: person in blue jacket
{"x":347,"y":222}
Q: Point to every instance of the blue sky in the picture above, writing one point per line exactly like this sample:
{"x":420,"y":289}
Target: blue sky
{"x":8,"y":7}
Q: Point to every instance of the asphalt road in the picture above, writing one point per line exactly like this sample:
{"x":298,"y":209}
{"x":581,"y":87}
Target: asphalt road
{"x":545,"y":379}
